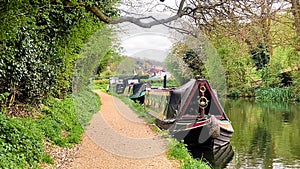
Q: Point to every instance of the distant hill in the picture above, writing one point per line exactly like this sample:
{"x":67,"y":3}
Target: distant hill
{"x":152,"y":54}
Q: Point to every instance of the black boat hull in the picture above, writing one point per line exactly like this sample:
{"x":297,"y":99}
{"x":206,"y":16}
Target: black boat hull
{"x":210,"y":133}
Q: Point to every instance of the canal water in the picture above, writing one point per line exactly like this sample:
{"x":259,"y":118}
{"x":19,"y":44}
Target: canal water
{"x":266,"y":135}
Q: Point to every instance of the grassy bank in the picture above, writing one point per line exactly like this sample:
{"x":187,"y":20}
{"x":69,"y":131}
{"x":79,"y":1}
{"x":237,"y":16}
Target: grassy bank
{"x":22,"y":139}
{"x":177,"y":150}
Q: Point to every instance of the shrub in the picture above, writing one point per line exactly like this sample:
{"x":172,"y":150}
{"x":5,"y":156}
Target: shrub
{"x":60,"y":123}
{"x":39,"y":45}
{"x":22,"y":139}
{"x":22,"y":143}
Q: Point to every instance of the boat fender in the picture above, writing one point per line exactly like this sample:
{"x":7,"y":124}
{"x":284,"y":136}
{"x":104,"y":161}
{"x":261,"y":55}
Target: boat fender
{"x":214,"y":131}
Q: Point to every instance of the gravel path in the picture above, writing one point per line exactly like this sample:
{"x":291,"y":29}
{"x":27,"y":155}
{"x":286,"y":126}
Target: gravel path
{"x":118,"y":139}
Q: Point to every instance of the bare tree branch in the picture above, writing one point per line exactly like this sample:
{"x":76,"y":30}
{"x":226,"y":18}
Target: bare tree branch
{"x":138,"y":21}
{"x":228,"y":16}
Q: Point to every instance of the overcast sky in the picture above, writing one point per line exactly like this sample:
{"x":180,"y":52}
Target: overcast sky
{"x":141,"y":42}
{"x":142,"y":45}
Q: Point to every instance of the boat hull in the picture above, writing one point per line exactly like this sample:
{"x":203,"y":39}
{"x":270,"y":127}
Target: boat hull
{"x":191,"y":112}
{"x":209,"y":132}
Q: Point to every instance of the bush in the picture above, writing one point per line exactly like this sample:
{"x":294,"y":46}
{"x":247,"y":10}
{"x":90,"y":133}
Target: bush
{"x":60,"y":123}
{"x":87,"y":103}
{"x":22,"y":143}
{"x":22,"y":139}
{"x":234,"y":92}
{"x":38,"y":50}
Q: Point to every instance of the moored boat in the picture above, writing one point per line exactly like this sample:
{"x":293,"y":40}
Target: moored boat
{"x":121,"y":85}
{"x":191,"y":113}
{"x":139,"y":91}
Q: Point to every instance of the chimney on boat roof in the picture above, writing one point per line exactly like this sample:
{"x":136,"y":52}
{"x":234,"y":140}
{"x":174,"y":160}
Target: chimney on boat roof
{"x":165,"y":81}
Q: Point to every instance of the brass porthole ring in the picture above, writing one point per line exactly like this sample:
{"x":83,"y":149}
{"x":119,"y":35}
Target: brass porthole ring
{"x":203,"y":102}
{"x":202,"y":89}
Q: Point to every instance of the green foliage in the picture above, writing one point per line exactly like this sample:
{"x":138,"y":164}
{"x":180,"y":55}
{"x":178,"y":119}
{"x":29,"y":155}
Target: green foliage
{"x":22,"y":139}
{"x":102,"y":81}
{"x":295,"y":89}
{"x":195,"y":61}
{"x":260,"y":55}
{"x":270,"y":76}
{"x":170,"y":82}
{"x":87,"y":103}
{"x":22,"y":143}
{"x":60,"y":123}
{"x":177,"y":150}
{"x":109,"y":58}
{"x":126,"y":67}
{"x":178,"y":68}
{"x":39,"y":44}
{"x":90,"y":57}
{"x":273,"y":94}
{"x":214,"y":68}
{"x":101,"y":84}
{"x":238,"y":66}
{"x":285,"y":57}
{"x":3,"y":98}
{"x":194,"y":164}
{"x":283,"y":31}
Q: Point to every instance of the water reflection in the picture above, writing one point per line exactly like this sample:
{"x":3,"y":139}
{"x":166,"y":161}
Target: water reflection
{"x":267,"y":135}
{"x":217,"y":158}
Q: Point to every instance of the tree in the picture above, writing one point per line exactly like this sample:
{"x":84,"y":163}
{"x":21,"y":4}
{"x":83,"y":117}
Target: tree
{"x":296,"y":13}
{"x":53,"y":32}
{"x":39,"y":45}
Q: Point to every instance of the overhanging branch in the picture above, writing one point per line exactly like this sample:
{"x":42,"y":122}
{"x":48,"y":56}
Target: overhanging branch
{"x":135,"y":20}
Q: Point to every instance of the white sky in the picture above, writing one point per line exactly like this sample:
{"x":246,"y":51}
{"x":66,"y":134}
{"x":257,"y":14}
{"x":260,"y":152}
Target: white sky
{"x":139,"y":42}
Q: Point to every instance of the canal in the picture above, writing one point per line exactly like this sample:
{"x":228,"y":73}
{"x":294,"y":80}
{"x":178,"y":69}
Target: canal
{"x":266,"y":135}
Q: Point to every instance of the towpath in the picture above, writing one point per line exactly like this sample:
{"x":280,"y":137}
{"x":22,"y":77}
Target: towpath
{"x":118,"y":139}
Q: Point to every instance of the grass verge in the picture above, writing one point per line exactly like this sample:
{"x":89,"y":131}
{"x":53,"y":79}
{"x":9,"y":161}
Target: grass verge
{"x":61,"y":122}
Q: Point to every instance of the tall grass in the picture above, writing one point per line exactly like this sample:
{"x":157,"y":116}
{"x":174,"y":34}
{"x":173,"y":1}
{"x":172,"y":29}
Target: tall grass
{"x":177,"y":150}
{"x":274,"y":94}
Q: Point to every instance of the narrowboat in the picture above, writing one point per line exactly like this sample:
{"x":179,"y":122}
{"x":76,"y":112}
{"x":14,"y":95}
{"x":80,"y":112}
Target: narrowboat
{"x":139,"y":91}
{"x":191,"y":112}
{"x":121,"y":85}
